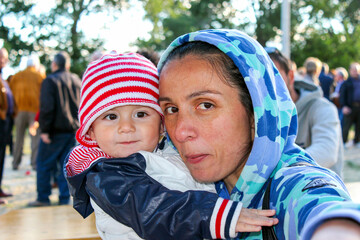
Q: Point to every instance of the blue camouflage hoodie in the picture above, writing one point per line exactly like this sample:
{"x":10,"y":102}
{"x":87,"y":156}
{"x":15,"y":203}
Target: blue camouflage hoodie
{"x":303,"y":193}
{"x":299,"y":194}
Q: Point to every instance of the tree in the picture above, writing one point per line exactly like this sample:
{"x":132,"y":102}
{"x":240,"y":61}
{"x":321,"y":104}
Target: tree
{"x":12,"y":39}
{"x":56,"y":29}
{"x":172,"y":18}
{"x":62,"y":24}
{"x":314,"y":31}
{"x":336,"y":49}
{"x":332,"y":35}
{"x":313,"y":26}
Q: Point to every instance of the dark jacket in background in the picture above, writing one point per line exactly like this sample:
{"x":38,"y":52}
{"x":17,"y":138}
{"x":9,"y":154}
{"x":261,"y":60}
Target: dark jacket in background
{"x":326,"y":84}
{"x":347,"y":93}
{"x":59,"y":102}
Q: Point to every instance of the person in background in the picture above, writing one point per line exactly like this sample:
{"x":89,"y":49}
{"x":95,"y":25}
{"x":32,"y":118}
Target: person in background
{"x":33,"y":129}
{"x":340,"y":77}
{"x":319,"y":128}
{"x":59,"y":102}
{"x":300,"y":72}
{"x":7,"y":110}
{"x":42,"y":70}
{"x":10,"y":141}
{"x":350,"y":103}
{"x":25,"y":86}
{"x":326,"y":81}
{"x":313,"y":67}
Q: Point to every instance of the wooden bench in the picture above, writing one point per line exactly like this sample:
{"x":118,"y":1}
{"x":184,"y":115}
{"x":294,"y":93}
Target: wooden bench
{"x":53,"y":222}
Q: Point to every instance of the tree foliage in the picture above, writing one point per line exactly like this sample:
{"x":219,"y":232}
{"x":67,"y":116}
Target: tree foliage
{"x":55,"y":30}
{"x":13,"y":41}
{"x":70,"y":12}
{"x":172,"y":18}
{"x":327,"y":29}
{"x":332,"y":35}
{"x":336,"y":49}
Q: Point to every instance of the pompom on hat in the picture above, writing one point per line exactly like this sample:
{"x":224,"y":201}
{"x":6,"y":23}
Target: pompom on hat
{"x":116,"y":80}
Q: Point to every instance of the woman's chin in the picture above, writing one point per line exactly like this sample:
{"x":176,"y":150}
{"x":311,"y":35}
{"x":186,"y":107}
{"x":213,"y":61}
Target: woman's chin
{"x":204,"y":176}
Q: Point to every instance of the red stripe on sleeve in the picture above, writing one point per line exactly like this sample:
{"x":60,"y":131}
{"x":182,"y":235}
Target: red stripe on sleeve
{"x":218,"y":218}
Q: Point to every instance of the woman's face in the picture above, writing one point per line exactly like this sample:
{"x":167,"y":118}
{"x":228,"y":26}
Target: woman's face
{"x":205,"y":120}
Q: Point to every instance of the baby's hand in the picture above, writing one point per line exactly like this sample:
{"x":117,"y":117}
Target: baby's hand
{"x":251,"y":220}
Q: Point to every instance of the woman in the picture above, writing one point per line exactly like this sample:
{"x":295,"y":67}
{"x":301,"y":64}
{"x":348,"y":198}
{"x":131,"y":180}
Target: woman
{"x":230,"y":116}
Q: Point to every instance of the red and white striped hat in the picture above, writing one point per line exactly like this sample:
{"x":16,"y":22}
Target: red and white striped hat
{"x":116,"y":80}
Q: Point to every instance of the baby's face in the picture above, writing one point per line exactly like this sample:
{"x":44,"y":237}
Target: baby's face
{"x":125,"y":130}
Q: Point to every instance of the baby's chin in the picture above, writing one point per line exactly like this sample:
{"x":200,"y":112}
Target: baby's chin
{"x":123,"y":154}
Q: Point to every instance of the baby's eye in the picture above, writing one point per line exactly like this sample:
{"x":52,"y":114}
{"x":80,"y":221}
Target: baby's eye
{"x":141,"y":114}
{"x":171,"y":110}
{"x":205,"y":105}
{"x":111,"y":116}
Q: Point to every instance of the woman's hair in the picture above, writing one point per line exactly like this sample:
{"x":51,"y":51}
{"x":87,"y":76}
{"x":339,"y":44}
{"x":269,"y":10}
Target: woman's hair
{"x":224,"y":67}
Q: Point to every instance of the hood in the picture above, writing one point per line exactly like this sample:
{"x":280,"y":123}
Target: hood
{"x":274,"y":111}
{"x":307,"y":91}
{"x":305,"y":83}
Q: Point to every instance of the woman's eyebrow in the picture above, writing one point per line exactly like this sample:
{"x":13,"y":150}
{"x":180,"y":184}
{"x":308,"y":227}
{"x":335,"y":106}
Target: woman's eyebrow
{"x":192,"y":95}
{"x":201,"y":93}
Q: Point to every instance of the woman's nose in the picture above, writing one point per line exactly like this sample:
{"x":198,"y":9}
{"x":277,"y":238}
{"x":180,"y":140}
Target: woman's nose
{"x":185,"y":128}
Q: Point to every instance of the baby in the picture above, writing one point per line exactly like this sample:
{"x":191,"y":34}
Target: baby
{"x":119,"y":116}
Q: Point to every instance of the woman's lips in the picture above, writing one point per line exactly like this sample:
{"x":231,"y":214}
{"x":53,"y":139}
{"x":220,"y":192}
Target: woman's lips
{"x":195,"y":158}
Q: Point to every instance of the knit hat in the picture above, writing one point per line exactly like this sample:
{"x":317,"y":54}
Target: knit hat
{"x":116,"y":80}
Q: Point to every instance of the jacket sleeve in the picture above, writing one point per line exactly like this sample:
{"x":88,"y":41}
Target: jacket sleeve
{"x":305,"y":197}
{"x":3,"y":101}
{"x":344,"y":91}
{"x":47,"y":106}
{"x":344,"y":210}
{"x":124,"y":191}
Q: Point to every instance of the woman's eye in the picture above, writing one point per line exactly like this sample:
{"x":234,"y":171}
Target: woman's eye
{"x":205,"y":105}
{"x":140,"y":114}
{"x":111,"y":116}
{"x":171,"y":110}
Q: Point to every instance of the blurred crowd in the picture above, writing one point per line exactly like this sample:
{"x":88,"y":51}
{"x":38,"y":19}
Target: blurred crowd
{"x":45,"y":106}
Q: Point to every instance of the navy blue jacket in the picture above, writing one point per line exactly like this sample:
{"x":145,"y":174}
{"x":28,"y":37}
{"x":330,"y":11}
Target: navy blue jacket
{"x":159,"y":212}
{"x":347,"y":93}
